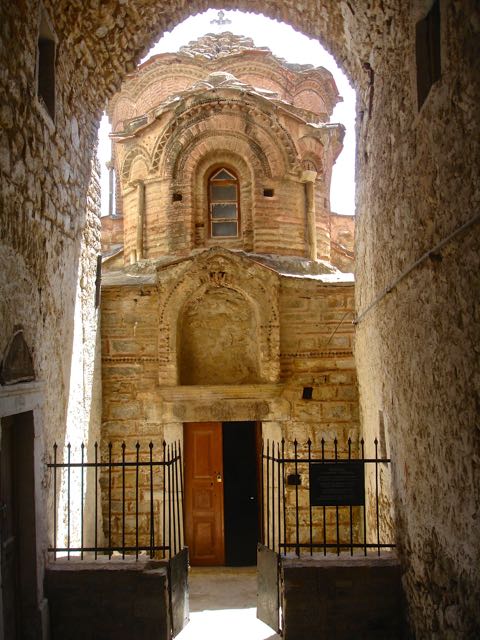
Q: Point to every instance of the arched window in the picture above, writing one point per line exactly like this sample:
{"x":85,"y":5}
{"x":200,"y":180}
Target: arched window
{"x":223,"y":204}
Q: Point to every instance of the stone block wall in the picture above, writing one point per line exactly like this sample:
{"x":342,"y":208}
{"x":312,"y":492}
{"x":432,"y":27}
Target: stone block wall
{"x":343,"y":598}
{"x":92,"y":601}
{"x":316,"y":341}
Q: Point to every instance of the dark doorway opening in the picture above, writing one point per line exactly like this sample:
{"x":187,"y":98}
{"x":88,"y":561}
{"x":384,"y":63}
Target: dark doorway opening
{"x":17,"y":527}
{"x":241,"y":504}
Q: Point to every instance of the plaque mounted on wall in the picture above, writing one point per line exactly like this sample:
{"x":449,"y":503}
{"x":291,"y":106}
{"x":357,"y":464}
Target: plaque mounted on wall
{"x":336,"y":484}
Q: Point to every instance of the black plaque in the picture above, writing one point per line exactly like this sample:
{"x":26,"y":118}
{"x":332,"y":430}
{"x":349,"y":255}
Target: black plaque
{"x":337,"y":484}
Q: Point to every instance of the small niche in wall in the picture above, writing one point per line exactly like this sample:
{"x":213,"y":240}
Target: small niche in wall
{"x":268,"y":193}
{"x":46,"y":53}
{"x":307,"y":393}
{"x":177,"y":197}
{"x":427,"y":50}
{"x":17,"y":363}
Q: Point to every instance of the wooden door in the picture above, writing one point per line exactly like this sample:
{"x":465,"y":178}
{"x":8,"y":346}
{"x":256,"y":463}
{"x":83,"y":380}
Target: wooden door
{"x":204,"y":532}
{"x":8,"y":533}
{"x":17,"y":527}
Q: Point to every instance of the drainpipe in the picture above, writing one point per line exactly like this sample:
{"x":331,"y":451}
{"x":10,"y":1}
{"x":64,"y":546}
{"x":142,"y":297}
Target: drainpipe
{"x":308,"y":178}
{"x":140,"y":219}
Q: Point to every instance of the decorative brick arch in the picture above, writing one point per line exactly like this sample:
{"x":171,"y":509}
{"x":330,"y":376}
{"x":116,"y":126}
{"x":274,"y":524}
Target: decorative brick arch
{"x":266,"y":133}
{"x":130,"y":157}
{"x":312,"y":149}
{"x":214,"y":268}
{"x":210,"y":140}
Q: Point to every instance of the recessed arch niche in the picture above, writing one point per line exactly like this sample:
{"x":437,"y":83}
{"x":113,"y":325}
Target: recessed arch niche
{"x":218,"y":339}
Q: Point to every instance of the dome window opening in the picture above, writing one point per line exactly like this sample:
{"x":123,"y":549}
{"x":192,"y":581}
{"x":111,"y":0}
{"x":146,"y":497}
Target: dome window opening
{"x":223,"y":204}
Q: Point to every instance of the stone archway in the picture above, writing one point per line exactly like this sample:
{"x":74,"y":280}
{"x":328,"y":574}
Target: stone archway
{"x":417,"y":177}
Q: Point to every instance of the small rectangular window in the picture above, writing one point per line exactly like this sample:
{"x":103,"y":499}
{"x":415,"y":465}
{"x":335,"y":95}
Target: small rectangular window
{"x":307,"y":393}
{"x":268,"y":193}
{"x":177,"y":197}
{"x":427,"y":48}
{"x":46,"y":66}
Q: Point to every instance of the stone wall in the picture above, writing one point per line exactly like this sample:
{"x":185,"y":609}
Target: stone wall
{"x":417,"y":348}
{"x":49,"y":204}
{"x":342,"y":598}
{"x":98,"y":600}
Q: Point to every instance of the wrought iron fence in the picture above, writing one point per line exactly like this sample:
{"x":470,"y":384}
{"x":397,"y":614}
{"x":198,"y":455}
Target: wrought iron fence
{"x":323,"y":499}
{"x":126,"y":502}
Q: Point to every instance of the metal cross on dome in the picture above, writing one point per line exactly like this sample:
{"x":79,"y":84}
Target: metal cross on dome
{"x":220,"y":20}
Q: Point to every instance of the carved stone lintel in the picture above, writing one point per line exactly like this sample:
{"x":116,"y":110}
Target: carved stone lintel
{"x":222,"y":410}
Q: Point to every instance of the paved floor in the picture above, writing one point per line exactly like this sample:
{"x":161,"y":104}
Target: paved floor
{"x":223,"y":605}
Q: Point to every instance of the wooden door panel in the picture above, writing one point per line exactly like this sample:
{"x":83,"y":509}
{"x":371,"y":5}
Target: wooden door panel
{"x":7,"y":532}
{"x":204,"y":493}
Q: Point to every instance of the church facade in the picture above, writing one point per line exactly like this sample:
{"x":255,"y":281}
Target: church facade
{"x":227,"y":295}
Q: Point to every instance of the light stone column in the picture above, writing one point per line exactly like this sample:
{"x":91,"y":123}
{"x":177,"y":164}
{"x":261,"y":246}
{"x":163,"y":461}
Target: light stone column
{"x":308,"y":178}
